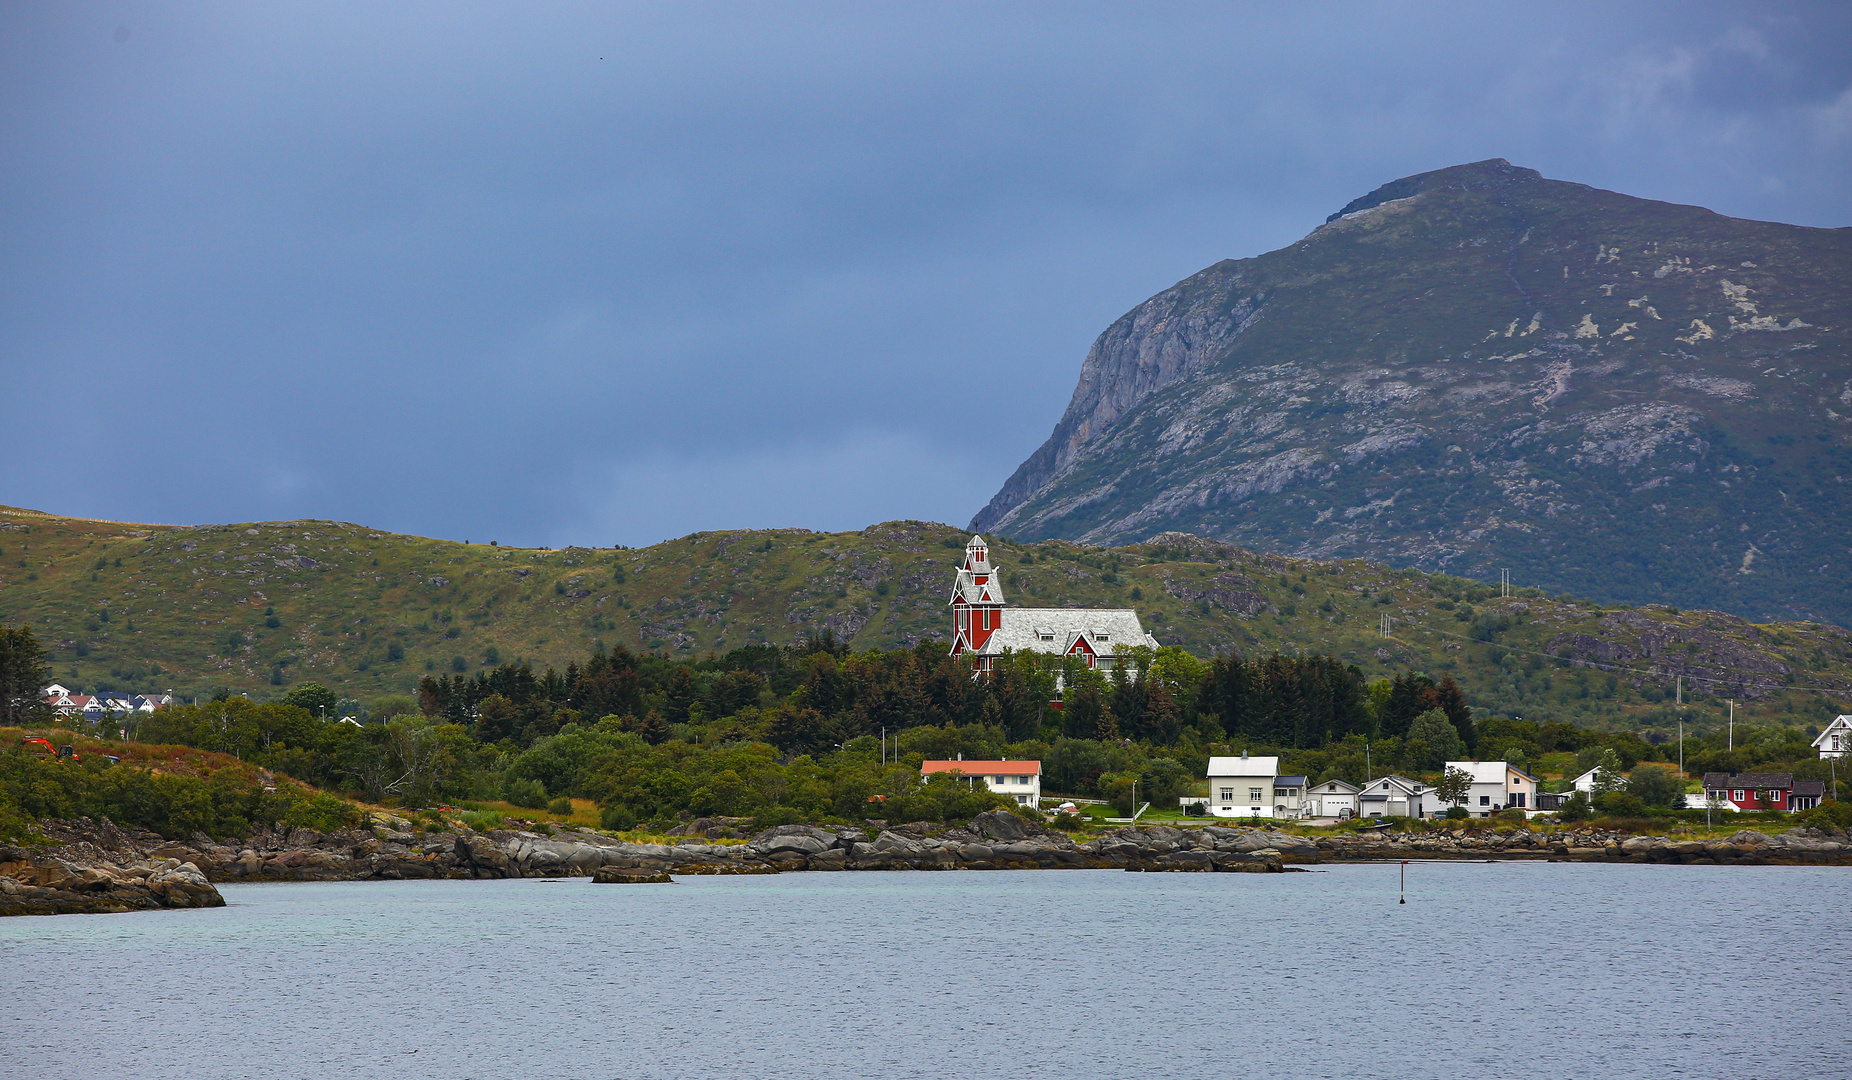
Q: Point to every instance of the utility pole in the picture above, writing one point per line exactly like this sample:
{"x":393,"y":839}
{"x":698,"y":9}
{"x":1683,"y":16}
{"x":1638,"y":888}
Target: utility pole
{"x":1367,"y":774}
{"x":1384,"y":626}
{"x":1504,"y":583}
{"x":1732,"y":744}
{"x":1679,"y":697}
{"x":1681,"y":749}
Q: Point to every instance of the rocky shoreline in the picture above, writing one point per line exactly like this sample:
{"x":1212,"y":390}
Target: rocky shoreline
{"x":91,"y":866}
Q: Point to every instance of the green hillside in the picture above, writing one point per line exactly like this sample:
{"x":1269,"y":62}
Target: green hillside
{"x":256,"y":607}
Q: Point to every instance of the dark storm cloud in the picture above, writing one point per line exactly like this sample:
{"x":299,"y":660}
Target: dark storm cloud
{"x":611,"y":274}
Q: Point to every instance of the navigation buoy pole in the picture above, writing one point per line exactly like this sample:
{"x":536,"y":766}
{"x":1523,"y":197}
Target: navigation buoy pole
{"x":1404,"y":898}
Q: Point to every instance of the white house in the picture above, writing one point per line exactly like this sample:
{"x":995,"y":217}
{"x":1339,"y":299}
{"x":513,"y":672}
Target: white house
{"x":1586,"y":783}
{"x":1496,"y":785}
{"x":1333,"y":799}
{"x":1020,"y":780}
{"x":1242,"y":786}
{"x":1289,"y":800}
{"x":1836,"y":740}
{"x":1394,"y":796}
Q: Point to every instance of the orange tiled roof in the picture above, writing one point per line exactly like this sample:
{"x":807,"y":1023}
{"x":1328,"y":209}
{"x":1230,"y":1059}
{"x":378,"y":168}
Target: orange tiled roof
{"x":983,"y":768}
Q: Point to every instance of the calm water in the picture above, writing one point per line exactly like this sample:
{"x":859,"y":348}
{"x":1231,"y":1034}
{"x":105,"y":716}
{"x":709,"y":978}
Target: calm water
{"x":1498,"y":970}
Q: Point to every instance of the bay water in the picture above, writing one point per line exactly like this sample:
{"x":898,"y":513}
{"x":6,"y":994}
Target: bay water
{"x":1489,"y":970}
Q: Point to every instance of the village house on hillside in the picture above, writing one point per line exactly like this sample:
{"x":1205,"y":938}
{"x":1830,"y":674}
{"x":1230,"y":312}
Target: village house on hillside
{"x":96,"y":706}
{"x":1020,"y":780}
{"x":983,"y":627}
{"x":1242,"y":786}
{"x":1394,"y":796}
{"x":1496,"y":785}
{"x":1763,"y":791}
{"x":1333,"y":799}
{"x":1836,"y":740}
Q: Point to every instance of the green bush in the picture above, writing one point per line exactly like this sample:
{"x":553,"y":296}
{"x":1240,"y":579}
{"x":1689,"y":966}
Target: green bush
{"x":225,"y":804}
{"x":1576,"y":809}
{"x":1457,"y":813}
{"x":776,"y":816}
{"x":483,"y":820}
{"x":561,"y":806}
{"x":1655,"y":786}
{"x":618,"y":818}
{"x":529,"y":794}
{"x":1827,"y":815}
{"x":1620,"y":804}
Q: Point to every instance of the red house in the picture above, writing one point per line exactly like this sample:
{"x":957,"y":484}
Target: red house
{"x":1763,"y":791}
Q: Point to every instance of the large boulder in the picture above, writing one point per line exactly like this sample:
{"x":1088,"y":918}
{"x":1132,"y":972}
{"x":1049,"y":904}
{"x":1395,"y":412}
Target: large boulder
{"x":801,"y":839}
{"x":1002,"y":825}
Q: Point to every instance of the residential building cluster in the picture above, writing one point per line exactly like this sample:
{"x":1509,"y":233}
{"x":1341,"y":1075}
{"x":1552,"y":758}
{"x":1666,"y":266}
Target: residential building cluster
{"x":1253,"y":787}
{"x":104,"y":703}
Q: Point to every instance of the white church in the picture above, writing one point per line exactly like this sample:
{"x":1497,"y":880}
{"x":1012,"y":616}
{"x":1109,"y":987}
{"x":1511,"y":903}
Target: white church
{"x":983,"y":625}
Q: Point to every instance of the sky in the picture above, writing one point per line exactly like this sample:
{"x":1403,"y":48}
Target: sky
{"x":614,"y":273}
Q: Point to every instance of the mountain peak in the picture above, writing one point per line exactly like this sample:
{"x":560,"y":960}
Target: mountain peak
{"x":1475,"y":176}
{"x":1626,"y":399}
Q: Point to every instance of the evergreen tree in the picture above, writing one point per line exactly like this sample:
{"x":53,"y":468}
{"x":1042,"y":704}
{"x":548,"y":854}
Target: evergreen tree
{"x":24,"y":674}
{"x":1450,"y":699}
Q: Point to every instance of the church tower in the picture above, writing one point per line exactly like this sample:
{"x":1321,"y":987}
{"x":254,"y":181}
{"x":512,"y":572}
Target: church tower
{"x":977,"y":601}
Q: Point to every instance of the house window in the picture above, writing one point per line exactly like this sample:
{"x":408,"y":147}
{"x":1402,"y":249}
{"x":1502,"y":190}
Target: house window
{"x":1485,"y":800}
{"x":1517,"y":799}
{"x":1737,"y":794}
{"x":1228,"y":794}
{"x":1253,"y":794}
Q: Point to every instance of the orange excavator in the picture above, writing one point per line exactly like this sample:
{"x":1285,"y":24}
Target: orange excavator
{"x":67,"y":752}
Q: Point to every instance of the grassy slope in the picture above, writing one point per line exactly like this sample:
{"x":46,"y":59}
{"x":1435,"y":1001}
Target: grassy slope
{"x":186,"y":610}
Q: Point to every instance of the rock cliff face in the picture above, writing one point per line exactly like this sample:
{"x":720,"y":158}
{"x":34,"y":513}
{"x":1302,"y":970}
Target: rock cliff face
{"x":99,"y":870}
{"x":1479,"y":368}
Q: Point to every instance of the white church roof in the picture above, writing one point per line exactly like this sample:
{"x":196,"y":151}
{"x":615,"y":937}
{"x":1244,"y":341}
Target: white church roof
{"x":1056,"y":629}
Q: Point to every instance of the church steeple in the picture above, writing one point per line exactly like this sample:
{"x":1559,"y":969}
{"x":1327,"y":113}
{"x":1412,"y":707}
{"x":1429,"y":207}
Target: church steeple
{"x":977,"y":600}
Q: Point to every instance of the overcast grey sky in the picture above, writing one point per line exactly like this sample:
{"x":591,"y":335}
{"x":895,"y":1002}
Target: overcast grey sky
{"x":607,"y":273}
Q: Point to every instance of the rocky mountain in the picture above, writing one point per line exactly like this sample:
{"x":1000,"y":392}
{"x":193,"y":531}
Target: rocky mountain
{"x":1477,"y":369}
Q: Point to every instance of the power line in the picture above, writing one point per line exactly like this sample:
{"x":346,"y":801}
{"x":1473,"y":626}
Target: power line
{"x":1841,"y":691}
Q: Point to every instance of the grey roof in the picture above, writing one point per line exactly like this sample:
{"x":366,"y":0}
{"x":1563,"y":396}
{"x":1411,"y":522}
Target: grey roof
{"x":1810,"y":787}
{"x":1403,"y":783}
{"x":966,"y":585}
{"x":1289,"y":781}
{"x":1054,"y":630}
{"x":1716,"y":781}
